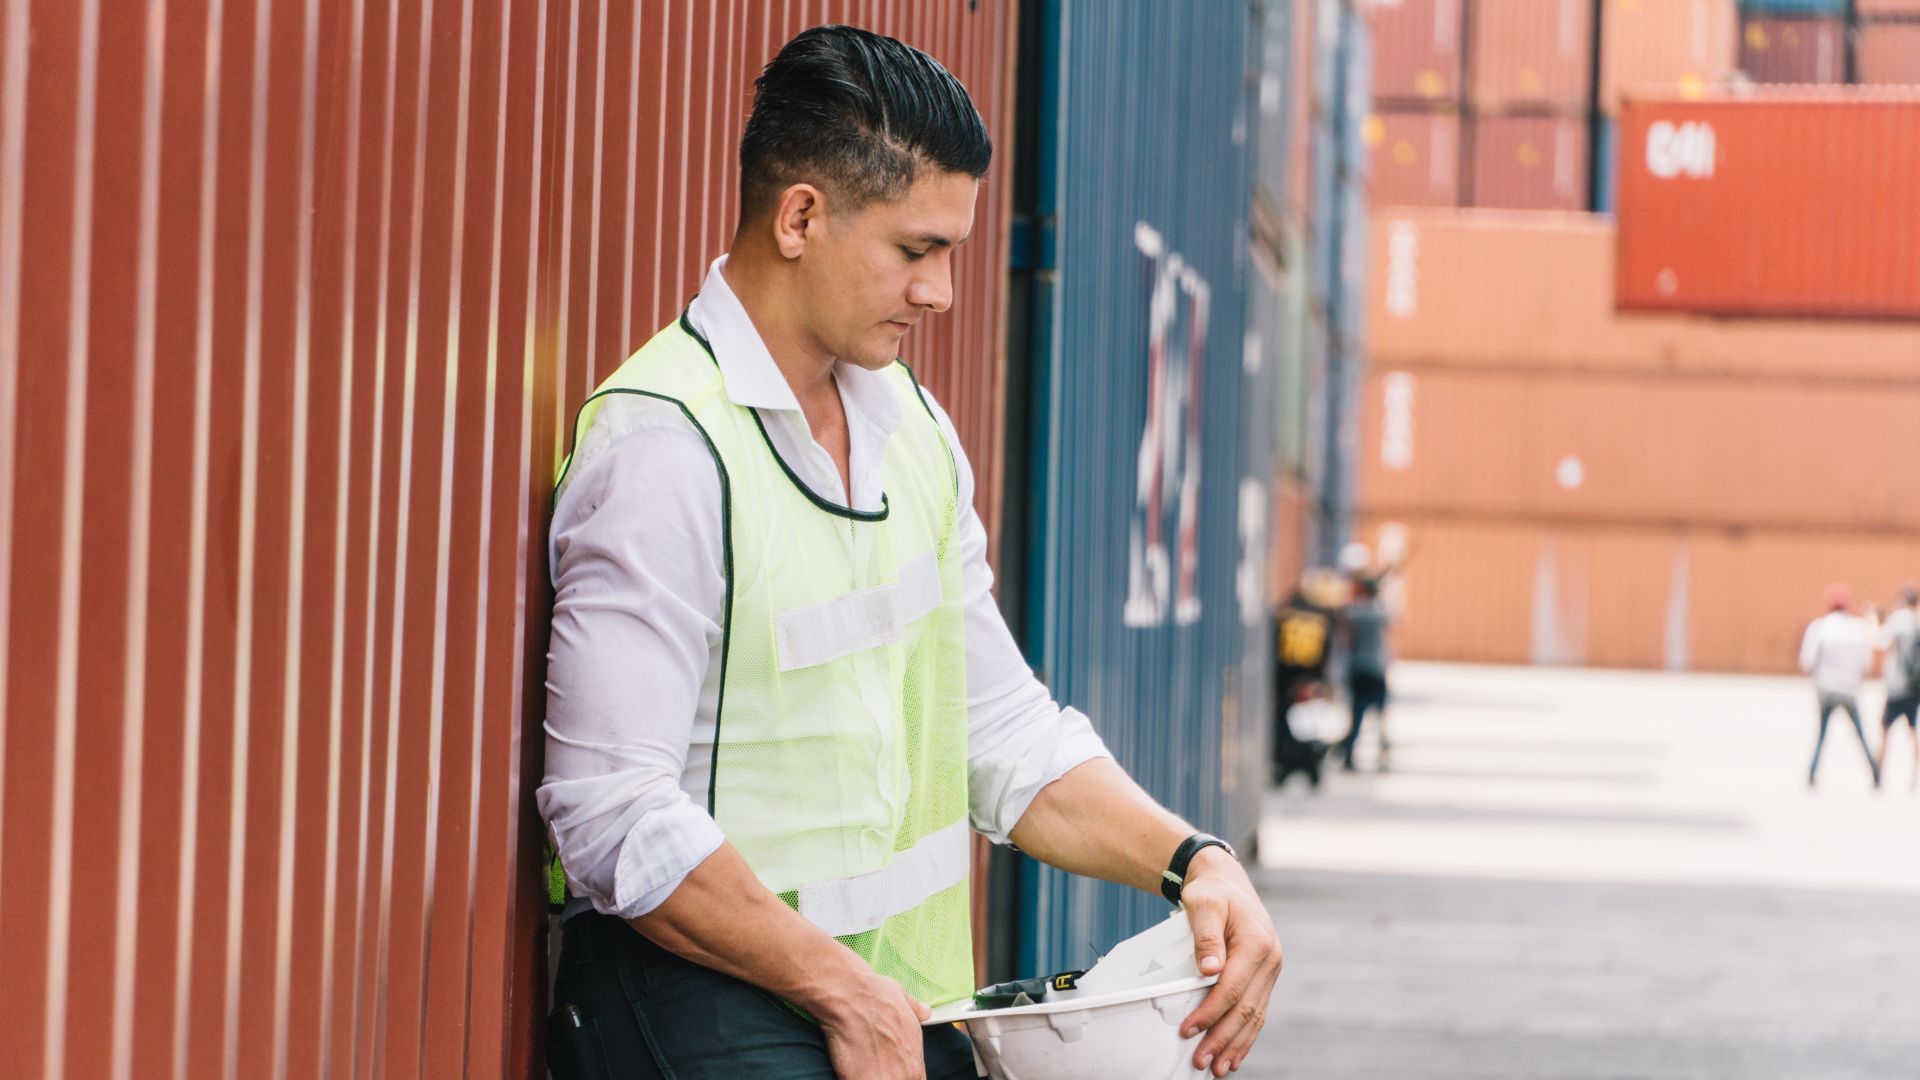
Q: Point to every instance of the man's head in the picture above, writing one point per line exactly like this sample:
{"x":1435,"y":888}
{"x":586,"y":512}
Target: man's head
{"x":1910,"y":595}
{"x":1839,"y":597}
{"x":858,"y":172}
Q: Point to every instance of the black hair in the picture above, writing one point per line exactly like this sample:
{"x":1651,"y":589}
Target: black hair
{"x":854,"y":112}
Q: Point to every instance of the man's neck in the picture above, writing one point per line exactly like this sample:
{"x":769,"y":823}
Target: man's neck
{"x":807,"y":369}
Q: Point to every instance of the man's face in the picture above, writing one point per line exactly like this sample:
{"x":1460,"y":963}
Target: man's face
{"x":871,"y":275}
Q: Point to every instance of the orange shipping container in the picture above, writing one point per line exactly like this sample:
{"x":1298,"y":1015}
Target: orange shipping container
{"x":1784,"y":204}
{"x":1416,"y":49}
{"x":1488,"y":287}
{"x":1415,"y":159}
{"x":1673,"y":47}
{"x":1794,"y":50}
{"x":1497,"y":590}
{"x":1875,"y":9}
{"x":1529,"y":163}
{"x":1640,"y":447}
{"x":1888,"y":53}
{"x":1531,"y":54}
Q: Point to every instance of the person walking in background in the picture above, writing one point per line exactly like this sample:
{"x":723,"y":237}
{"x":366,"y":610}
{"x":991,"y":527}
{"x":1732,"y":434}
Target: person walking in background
{"x":1837,"y":651}
{"x":1367,"y":622}
{"x":1900,"y":670}
{"x":1302,"y":643}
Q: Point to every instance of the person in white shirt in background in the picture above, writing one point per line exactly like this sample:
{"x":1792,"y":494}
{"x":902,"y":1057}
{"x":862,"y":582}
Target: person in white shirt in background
{"x":1900,"y":643}
{"x":1838,"y":652}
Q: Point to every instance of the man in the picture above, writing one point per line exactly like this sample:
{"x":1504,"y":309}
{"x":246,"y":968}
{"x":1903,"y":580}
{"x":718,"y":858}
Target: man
{"x":779,"y":689}
{"x":1837,"y":651}
{"x":1367,"y":622}
{"x":1900,"y":643}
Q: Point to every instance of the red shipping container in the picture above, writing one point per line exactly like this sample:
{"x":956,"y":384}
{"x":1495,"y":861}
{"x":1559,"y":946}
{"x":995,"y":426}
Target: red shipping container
{"x":1888,"y":53}
{"x":1531,"y":54}
{"x":1415,"y":158}
{"x":1529,"y":163}
{"x":1416,"y":49}
{"x":1794,"y":50}
{"x":1783,"y":204}
{"x":1675,"y":47}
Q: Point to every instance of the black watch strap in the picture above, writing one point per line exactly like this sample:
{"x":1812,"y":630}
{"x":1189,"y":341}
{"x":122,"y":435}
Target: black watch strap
{"x":1175,"y":874}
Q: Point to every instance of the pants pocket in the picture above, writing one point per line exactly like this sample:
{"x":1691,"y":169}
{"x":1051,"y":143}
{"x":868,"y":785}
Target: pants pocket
{"x":573,"y":1046}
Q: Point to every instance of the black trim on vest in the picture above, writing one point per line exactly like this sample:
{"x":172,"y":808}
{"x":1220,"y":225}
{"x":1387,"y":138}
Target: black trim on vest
{"x":953,"y":463}
{"x":726,"y":552}
{"x":828,"y":505}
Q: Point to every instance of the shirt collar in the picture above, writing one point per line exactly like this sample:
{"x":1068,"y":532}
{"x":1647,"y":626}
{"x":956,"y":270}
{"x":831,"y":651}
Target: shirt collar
{"x":747,"y":369}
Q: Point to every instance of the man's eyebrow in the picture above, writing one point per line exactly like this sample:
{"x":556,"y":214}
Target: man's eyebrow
{"x":935,"y":240}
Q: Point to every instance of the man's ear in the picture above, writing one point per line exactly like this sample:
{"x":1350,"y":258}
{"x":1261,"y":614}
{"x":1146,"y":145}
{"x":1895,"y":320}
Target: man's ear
{"x":797,"y":217}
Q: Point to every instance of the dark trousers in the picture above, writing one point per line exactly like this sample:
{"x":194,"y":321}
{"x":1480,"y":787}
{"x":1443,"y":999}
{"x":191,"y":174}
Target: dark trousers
{"x":1845,"y":703}
{"x":643,"y":1012}
{"x":1366,"y":692}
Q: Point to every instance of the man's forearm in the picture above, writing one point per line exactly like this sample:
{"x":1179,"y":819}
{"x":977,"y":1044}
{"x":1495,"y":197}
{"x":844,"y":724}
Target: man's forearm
{"x":1096,"y":821}
{"x":723,"y":918}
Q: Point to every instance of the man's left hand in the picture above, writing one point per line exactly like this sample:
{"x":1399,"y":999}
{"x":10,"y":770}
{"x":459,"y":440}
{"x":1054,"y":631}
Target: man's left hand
{"x":1232,"y":935}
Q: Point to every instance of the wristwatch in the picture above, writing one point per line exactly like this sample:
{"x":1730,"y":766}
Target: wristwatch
{"x":1175,"y":874}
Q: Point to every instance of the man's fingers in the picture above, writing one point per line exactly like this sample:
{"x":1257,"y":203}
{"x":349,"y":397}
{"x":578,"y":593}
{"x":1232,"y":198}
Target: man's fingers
{"x":1209,"y":935}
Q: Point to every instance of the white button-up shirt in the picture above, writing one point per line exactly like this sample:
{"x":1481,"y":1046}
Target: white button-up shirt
{"x":1837,"y":651}
{"x":633,"y":668}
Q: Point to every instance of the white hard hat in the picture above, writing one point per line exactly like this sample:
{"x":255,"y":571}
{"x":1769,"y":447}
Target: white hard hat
{"x":1119,"y":1021}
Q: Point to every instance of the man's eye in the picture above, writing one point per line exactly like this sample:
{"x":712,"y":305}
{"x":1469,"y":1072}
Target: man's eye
{"x":913,"y":255}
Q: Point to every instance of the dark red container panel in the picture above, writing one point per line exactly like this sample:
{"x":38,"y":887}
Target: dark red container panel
{"x":1784,"y":204}
{"x":1416,"y":49}
{"x":1529,"y":163}
{"x":1887,"y":53}
{"x":295,"y":302}
{"x":1414,"y":159}
{"x":1800,"y":51}
{"x":1531,"y":54}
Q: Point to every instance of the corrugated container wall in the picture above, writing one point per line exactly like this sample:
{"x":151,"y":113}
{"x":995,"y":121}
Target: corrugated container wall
{"x":1782,"y":204}
{"x":1477,"y":288}
{"x":1530,"y":55}
{"x":1880,"y":9}
{"x":1794,"y":50}
{"x":1665,"y":47}
{"x":1678,"y":598}
{"x":1150,"y":501}
{"x":1416,"y":50}
{"x":1887,"y":53}
{"x":294,"y":301}
{"x":1530,"y":162}
{"x":1416,"y":159}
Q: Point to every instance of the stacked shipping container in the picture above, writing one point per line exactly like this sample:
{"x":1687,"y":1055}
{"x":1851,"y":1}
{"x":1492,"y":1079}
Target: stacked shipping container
{"x":1814,"y":42}
{"x":1579,"y":485}
{"x":1498,"y":103}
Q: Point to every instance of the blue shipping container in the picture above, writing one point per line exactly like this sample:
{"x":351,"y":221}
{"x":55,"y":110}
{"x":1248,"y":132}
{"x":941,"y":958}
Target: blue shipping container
{"x":1152,"y":430}
{"x":1274,"y":128}
{"x":1795,"y":7}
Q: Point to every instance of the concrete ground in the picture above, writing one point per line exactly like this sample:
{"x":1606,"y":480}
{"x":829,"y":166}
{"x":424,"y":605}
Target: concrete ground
{"x":1596,"y":874}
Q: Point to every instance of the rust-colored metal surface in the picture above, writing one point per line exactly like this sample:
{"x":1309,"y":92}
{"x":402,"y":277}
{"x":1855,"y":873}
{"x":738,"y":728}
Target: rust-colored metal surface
{"x":1475,"y":288}
{"x":1414,"y":158}
{"x":1529,"y":163}
{"x":1887,"y":53}
{"x":1416,"y":49}
{"x":1801,"y":50}
{"x":1518,"y":591}
{"x":1643,"y":448}
{"x":1530,"y":54}
{"x":1876,"y":9}
{"x":1775,"y":205}
{"x":1676,"y":48}
{"x":295,"y":298}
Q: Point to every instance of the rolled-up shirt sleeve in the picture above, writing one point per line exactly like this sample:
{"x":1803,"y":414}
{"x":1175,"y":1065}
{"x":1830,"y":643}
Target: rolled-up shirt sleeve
{"x":1019,"y":739}
{"x":636,"y":553}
